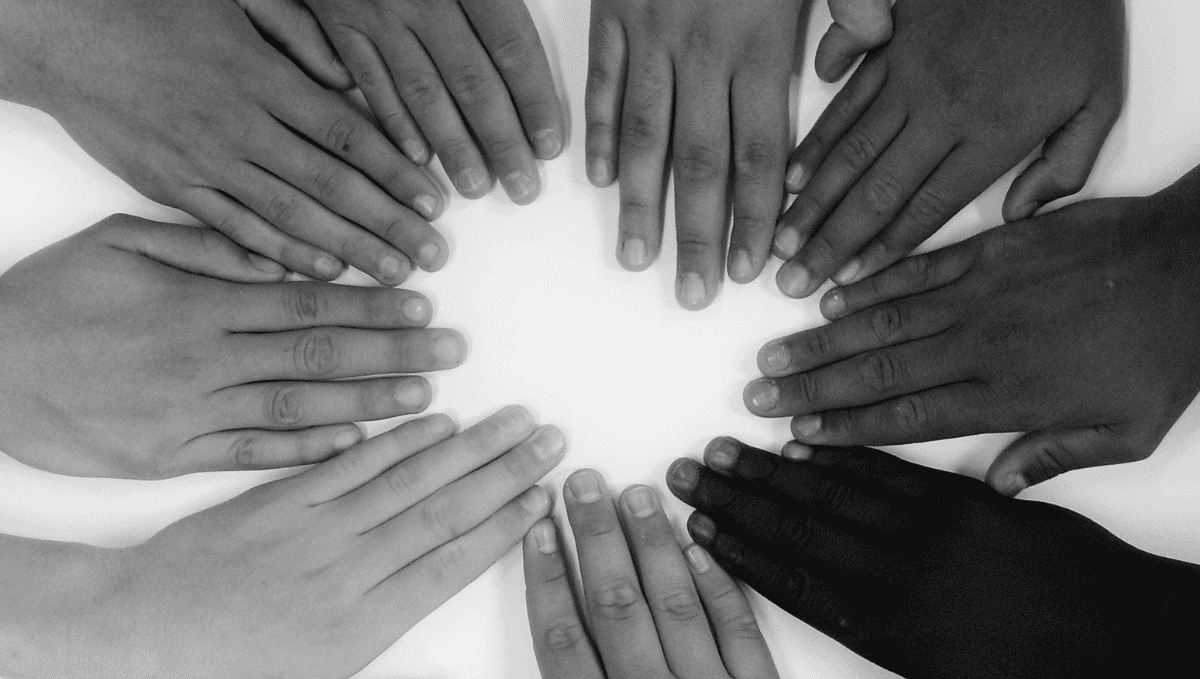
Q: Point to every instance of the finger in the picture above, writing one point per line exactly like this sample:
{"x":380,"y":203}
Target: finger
{"x":700,"y":162}
{"x":604,"y":96}
{"x":511,"y":39}
{"x":196,"y":250}
{"x":870,"y":377}
{"x":298,"y":405}
{"x":644,"y":140}
{"x":560,"y":641}
{"x":907,"y":479}
{"x":858,"y":26}
{"x":1041,"y":456}
{"x":457,"y":508}
{"x":760,"y":136}
{"x":622,"y":624}
{"x":743,"y":648}
{"x":247,"y":229}
{"x":373,"y":79}
{"x":294,"y":29}
{"x":484,"y":102}
{"x":910,"y":276}
{"x":293,"y":306}
{"x":335,"y":353}
{"x":368,"y":460}
{"x":854,"y":154}
{"x":249,"y":449}
{"x":1066,"y":161}
{"x":683,"y":628}
{"x":416,"y":478}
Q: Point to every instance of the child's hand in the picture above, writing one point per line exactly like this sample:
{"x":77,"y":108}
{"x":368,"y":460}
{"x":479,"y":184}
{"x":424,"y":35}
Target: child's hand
{"x":708,"y":82}
{"x":1078,"y":327}
{"x":467,"y":78}
{"x":930,"y":574}
{"x":188,"y":103}
{"x":126,"y":354}
{"x":651,"y":611}
{"x":962,"y":92}
{"x":311,"y":576}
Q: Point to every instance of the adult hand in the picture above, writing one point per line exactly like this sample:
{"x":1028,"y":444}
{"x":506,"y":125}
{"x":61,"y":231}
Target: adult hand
{"x":126,"y":354}
{"x":858,"y":26}
{"x":468,"y":78}
{"x":1077,"y":327}
{"x":707,"y":82}
{"x":930,"y":574}
{"x":190,"y":105}
{"x":961,"y":94}
{"x":311,"y":576}
{"x":652,"y":611}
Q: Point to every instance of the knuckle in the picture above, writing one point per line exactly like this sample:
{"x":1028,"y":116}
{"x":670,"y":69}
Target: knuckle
{"x":616,"y":599}
{"x":641,"y":131}
{"x":927,"y":208}
{"x":284,"y":406}
{"x":883,"y":192}
{"x":879,"y":372}
{"x":874,"y":28}
{"x":693,"y":245}
{"x":315,"y":353}
{"x":326,"y":183}
{"x":699,"y":164}
{"x":857,"y":150}
{"x":732,"y":616}
{"x":832,"y":496}
{"x":502,"y":147}
{"x":796,"y":532}
{"x":563,"y":636}
{"x":245,"y":451}
{"x":910,"y":415}
{"x":887,"y":324}
{"x":421,"y":91}
{"x":435,"y":520}
{"x":818,"y":344}
{"x":305,"y":303}
{"x":756,"y":158}
{"x":807,"y":390}
{"x":514,"y":54}
{"x":448,"y":561}
{"x":681,"y":604}
{"x":400,"y":481}
{"x":470,"y":85}
{"x":282,"y":209}
{"x":342,"y":134}
{"x":918,"y":271}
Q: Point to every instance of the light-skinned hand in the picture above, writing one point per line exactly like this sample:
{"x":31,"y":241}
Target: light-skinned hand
{"x":145,"y":350}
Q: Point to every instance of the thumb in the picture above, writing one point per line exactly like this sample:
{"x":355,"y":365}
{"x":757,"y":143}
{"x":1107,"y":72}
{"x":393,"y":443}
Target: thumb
{"x":195,"y":249}
{"x":1066,"y":161}
{"x":858,"y":26}
{"x":296,"y":32}
{"x":1040,"y":456}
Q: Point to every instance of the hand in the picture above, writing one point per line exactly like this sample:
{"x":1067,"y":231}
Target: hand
{"x":652,"y":612}
{"x":1077,"y":327}
{"x":311,"y":576}
{"x":961,"y":94}
{"x":930,"y":574}
{"x":708,"y":81}
{"x":126,"y":355}
{"x":188,"y":103}
{"x":858,"y":26}
{"x":467,"y":77}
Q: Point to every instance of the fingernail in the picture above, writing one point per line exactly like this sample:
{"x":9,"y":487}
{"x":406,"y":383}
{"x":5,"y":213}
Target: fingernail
{"x":346,"y":438}
{"x":449,"y":349}
{"x":416,"y":309}
{"x":548,"y":443}
{"x":599,"y":172}
{"x":794,"y":281}
{"x":390,"y":268}
{"x":640,"y":500}
{"x":701,"y":528}
{"x":265,"y":265}
{"x":834,"y":303}
{"x":849,"y":273}
{"x":546,"y":144}
{"x":787,"y":242}
{"x":515,"y":420}
{"x":535,"y":500}
{"x":776,"y":357}
{"x":633,"y":253}
{"x":426,"y":205}
{"x":520,"y":187}
{"x":796,"y":178}
{"x":544,"y":538}
{"x":410,"y":395}
{"x":806,"y":426}
{"x":698,"y":559}
{"x":692,"y":293}
{"x":764,"y":395}
{"x":683,"y":475}
{"x":585,"y":486}
{"x":794,"y":450}
{"x":470,"y":181}
{"x":414,"y":150}
{"x":327,"y":267}
{"x":740,"y":268}
{"x":427,"y":254}
{"x":721,"y":455}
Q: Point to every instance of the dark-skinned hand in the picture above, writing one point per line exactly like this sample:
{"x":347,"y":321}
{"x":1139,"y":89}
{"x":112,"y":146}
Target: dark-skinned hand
{"x":1078,"y":327}
{"x":933,"y":575}
{"x":963,"y":91}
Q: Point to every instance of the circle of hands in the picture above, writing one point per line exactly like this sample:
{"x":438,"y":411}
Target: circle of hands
{"x":172,"y":349}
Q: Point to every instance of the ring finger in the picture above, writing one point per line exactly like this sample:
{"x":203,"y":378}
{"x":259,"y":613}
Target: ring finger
{"x":295,"y":405}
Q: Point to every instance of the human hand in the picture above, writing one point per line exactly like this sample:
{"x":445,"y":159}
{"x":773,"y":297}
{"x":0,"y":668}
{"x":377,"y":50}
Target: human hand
{"x":311,"y":576}
{"x":127,"y":355}
{"x":961,"y":94}
{"x":652,"y":611}
{"x":930,"y":574}
{"x":707,"y":81}
{"x":858,"y":26}
{"x":1077,"y":327}
{"x":191,"y":106}
{"x":467,"y":77}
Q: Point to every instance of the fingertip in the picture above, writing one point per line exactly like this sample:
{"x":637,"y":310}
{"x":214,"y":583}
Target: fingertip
{"x":633,"y":254}
{"x":796,"y":451}
{"x":327,"y":268}
{"x":702,"y":529}
{"x":543,"y":537}
{"x":271,"y":270}
{"x":450,"y":349}
{"x":692,"y":292}
{"x":522,"y":187}
{"x":721,"y":454}
{"x":833,"y":304}
{"x":682,"y":477}
{"x":599,"y":172}
{"x":547,"y":144}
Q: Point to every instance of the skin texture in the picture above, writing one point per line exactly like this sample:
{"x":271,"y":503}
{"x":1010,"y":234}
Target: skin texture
{"x":310,"y":576}
{"x":930,"y":574}
{"x":1077,"y":327}
{"x":963,"y":91}
{"x":188,"y":103}
{"x":145,"y":350}
{"x":653,"y":610}
{"x":467,"y":80}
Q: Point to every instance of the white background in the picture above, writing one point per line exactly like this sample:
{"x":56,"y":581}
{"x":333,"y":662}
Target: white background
{"x":556,"y":325}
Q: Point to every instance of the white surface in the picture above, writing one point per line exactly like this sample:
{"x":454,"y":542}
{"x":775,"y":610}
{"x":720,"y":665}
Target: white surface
{"x":634,"y":381}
